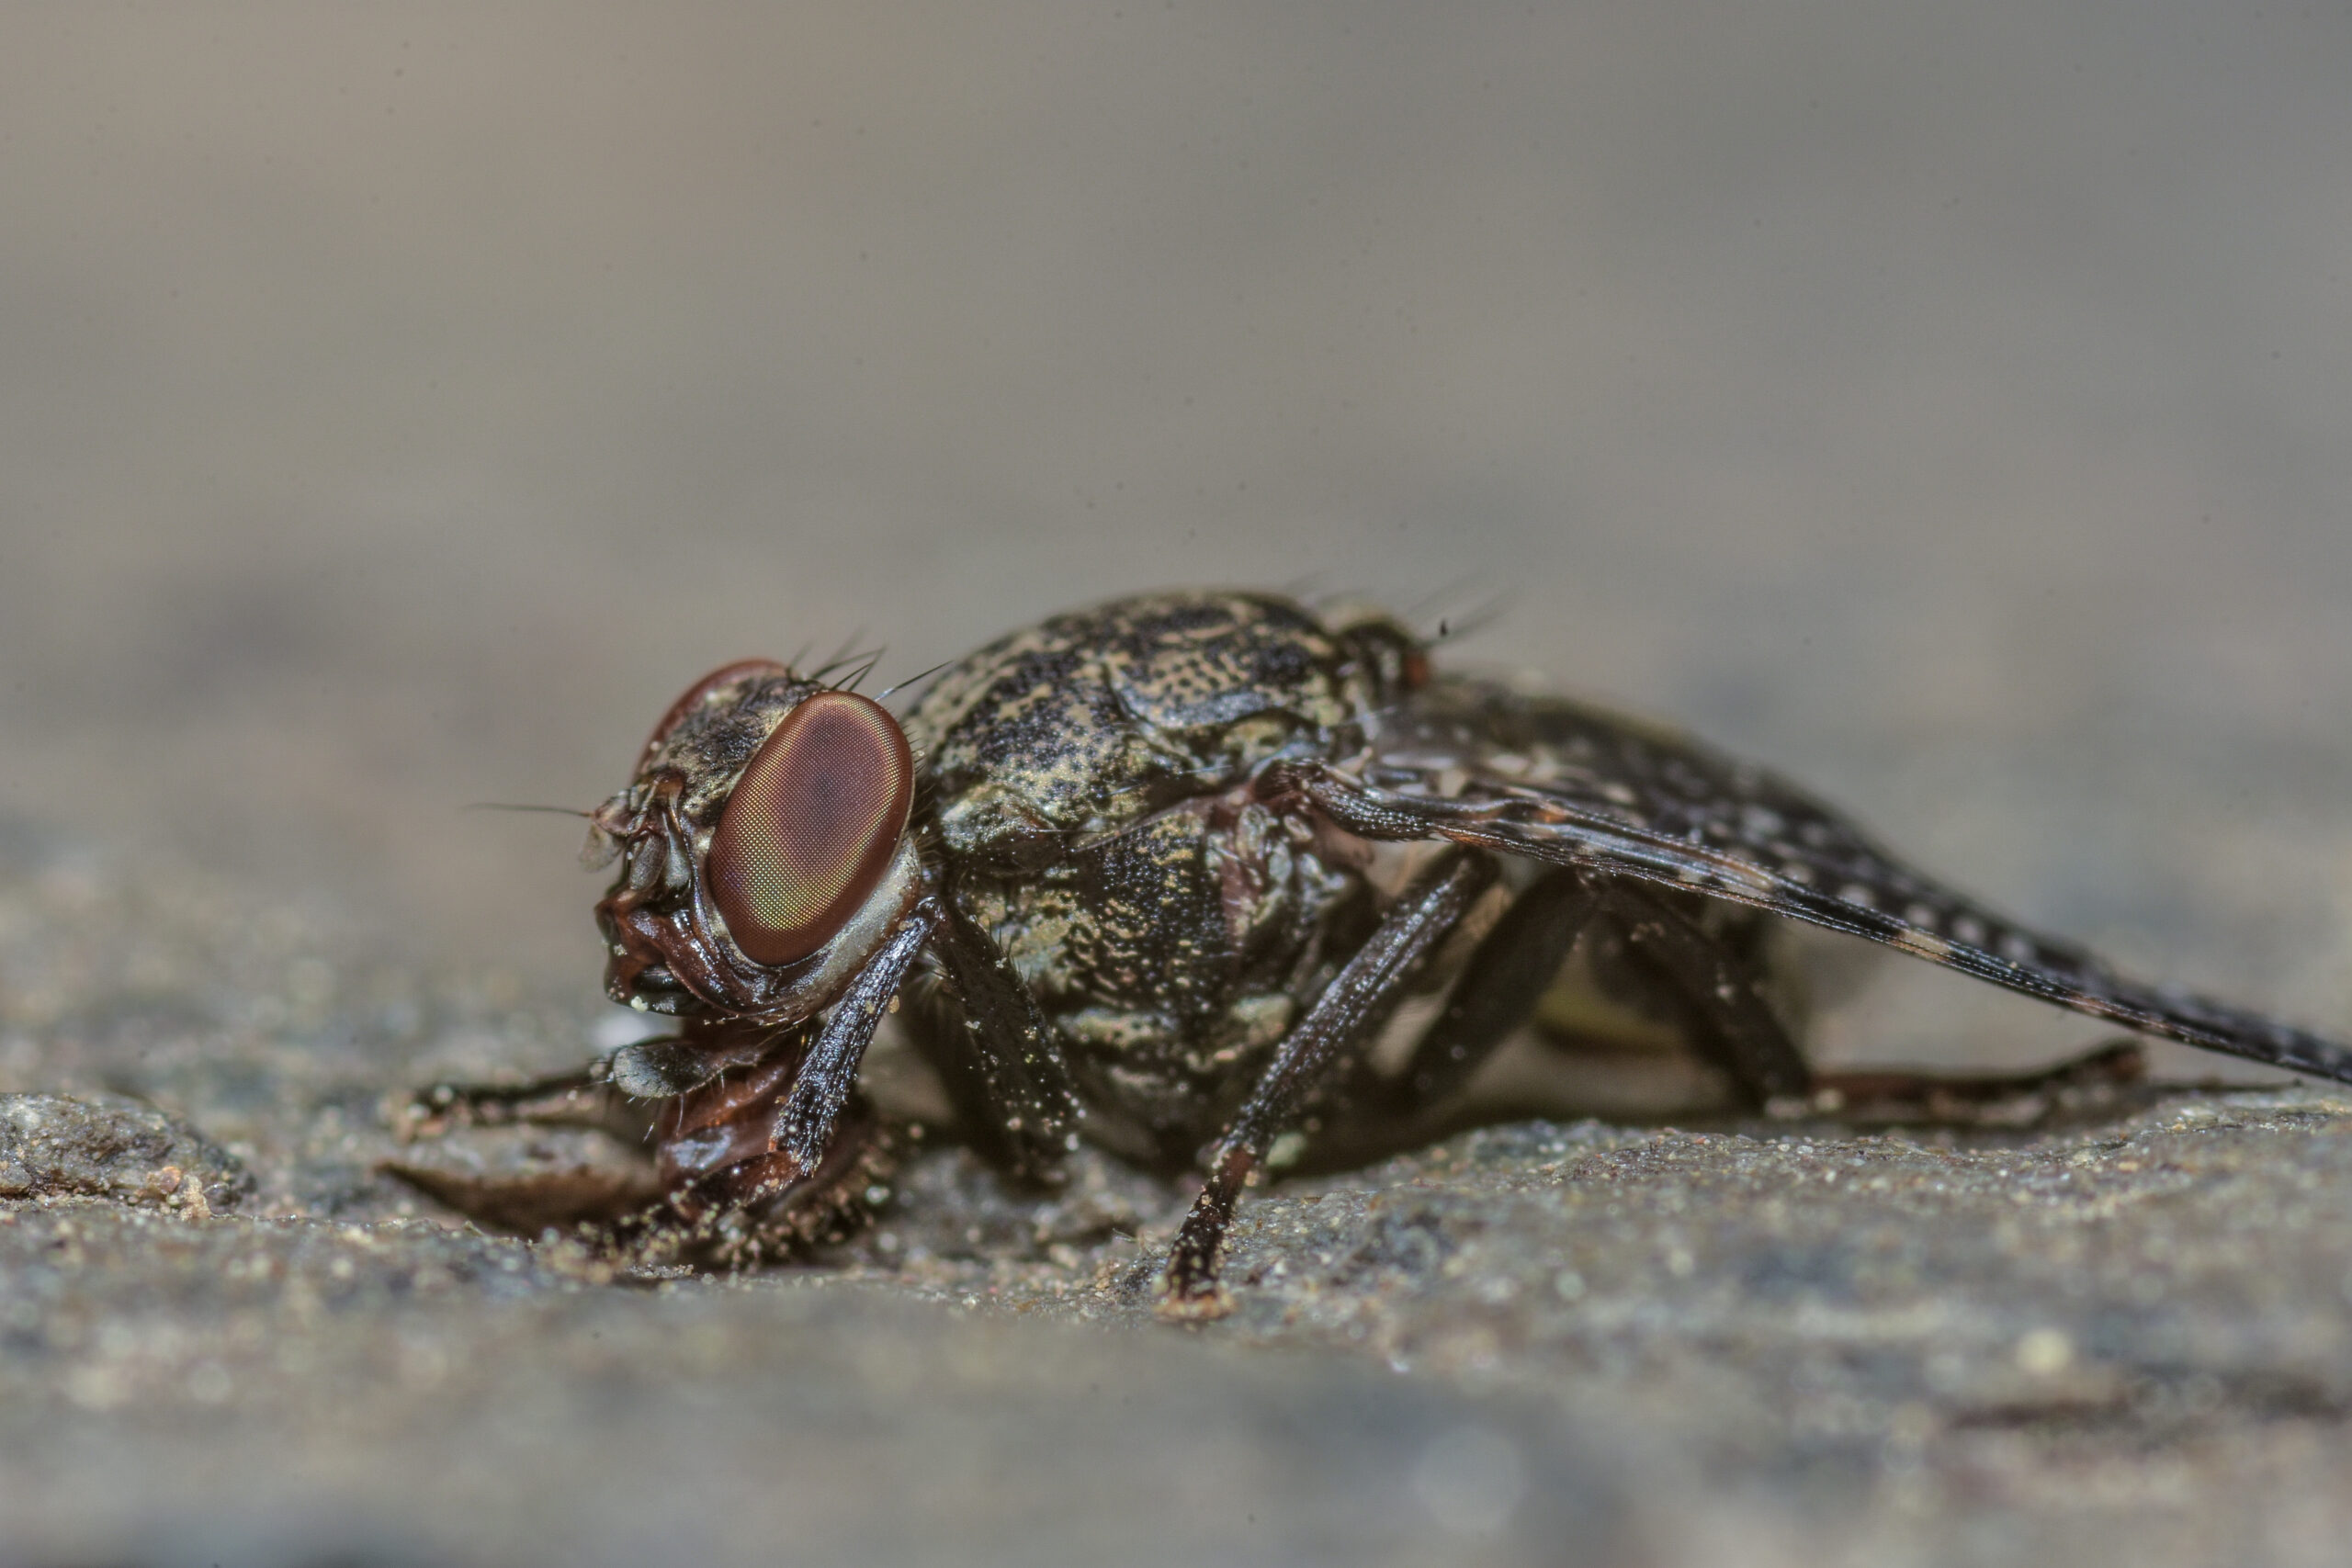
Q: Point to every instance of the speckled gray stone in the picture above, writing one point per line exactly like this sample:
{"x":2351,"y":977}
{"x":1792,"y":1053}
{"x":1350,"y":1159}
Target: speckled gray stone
{"x":2127,"y":1339}
{"x":105,"y":1146}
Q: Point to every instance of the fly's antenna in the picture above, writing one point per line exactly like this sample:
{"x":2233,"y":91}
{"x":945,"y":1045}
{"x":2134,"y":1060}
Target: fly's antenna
{"x":510,"y":806}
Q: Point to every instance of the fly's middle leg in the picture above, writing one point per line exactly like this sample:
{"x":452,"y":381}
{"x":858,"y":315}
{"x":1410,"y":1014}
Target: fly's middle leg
{"x":1335,"y":1032}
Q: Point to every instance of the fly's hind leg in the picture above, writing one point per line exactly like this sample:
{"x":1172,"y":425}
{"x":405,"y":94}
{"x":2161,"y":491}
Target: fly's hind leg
{"x":1733,"y":1026}
{"x":1720,"y":990}
{"x":1715,"y":989}
{"x":1986,"y":1100}
{"x":1497,"y":991}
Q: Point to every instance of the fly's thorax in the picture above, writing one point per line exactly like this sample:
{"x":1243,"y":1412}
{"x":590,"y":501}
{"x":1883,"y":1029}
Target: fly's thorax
{"x":1169,"y":959}
{"x":1091,"y":722}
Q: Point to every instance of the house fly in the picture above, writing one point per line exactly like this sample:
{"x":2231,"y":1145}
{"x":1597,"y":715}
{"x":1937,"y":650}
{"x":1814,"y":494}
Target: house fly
{"x":1154,"y":874}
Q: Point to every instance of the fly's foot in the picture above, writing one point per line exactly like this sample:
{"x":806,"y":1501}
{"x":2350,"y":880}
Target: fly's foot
{"x":1189,"y":1290}
{"x":765,"y":1208}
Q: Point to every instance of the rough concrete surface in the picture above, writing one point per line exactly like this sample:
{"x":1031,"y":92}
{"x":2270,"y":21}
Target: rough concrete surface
{"x":2127,"y":1338}
{"x":400,"y":404}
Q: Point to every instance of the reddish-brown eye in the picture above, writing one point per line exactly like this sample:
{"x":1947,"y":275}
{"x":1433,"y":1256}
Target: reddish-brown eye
{"x":811,"y":826}
{"x":694,"y":697}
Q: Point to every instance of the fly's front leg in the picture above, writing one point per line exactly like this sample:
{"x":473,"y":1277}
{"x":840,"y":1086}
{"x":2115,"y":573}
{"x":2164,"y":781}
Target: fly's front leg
{"x":495,"y":1102}
{"x":734,"y":1193}
{"x":609,"y":1092}
{"x":1336,"y":1030}
{"x":804,"y":1124}
{"x":778,"y":1155}
{"x":581,"y":1098}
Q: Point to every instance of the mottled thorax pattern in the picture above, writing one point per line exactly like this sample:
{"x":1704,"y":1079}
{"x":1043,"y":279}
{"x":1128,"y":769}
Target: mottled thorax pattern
{"x":1090,"y":721}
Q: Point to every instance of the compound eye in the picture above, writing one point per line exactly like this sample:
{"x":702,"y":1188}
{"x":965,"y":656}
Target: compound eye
{"x":694,"y":695}
{"x":811,"y":826}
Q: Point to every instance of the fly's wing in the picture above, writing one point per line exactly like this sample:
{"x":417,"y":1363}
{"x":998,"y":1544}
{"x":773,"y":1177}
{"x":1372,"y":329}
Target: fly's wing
{"x":1561,"y":781}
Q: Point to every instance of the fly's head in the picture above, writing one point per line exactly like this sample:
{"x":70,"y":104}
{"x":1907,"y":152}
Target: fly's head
{"x":763,"y":849}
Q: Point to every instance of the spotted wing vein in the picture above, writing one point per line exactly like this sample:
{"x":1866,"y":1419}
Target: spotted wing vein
{"x":1562,"y":781}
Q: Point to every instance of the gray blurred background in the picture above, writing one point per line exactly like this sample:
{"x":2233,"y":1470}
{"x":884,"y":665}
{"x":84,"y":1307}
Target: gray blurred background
{"x":1949,"y":404}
